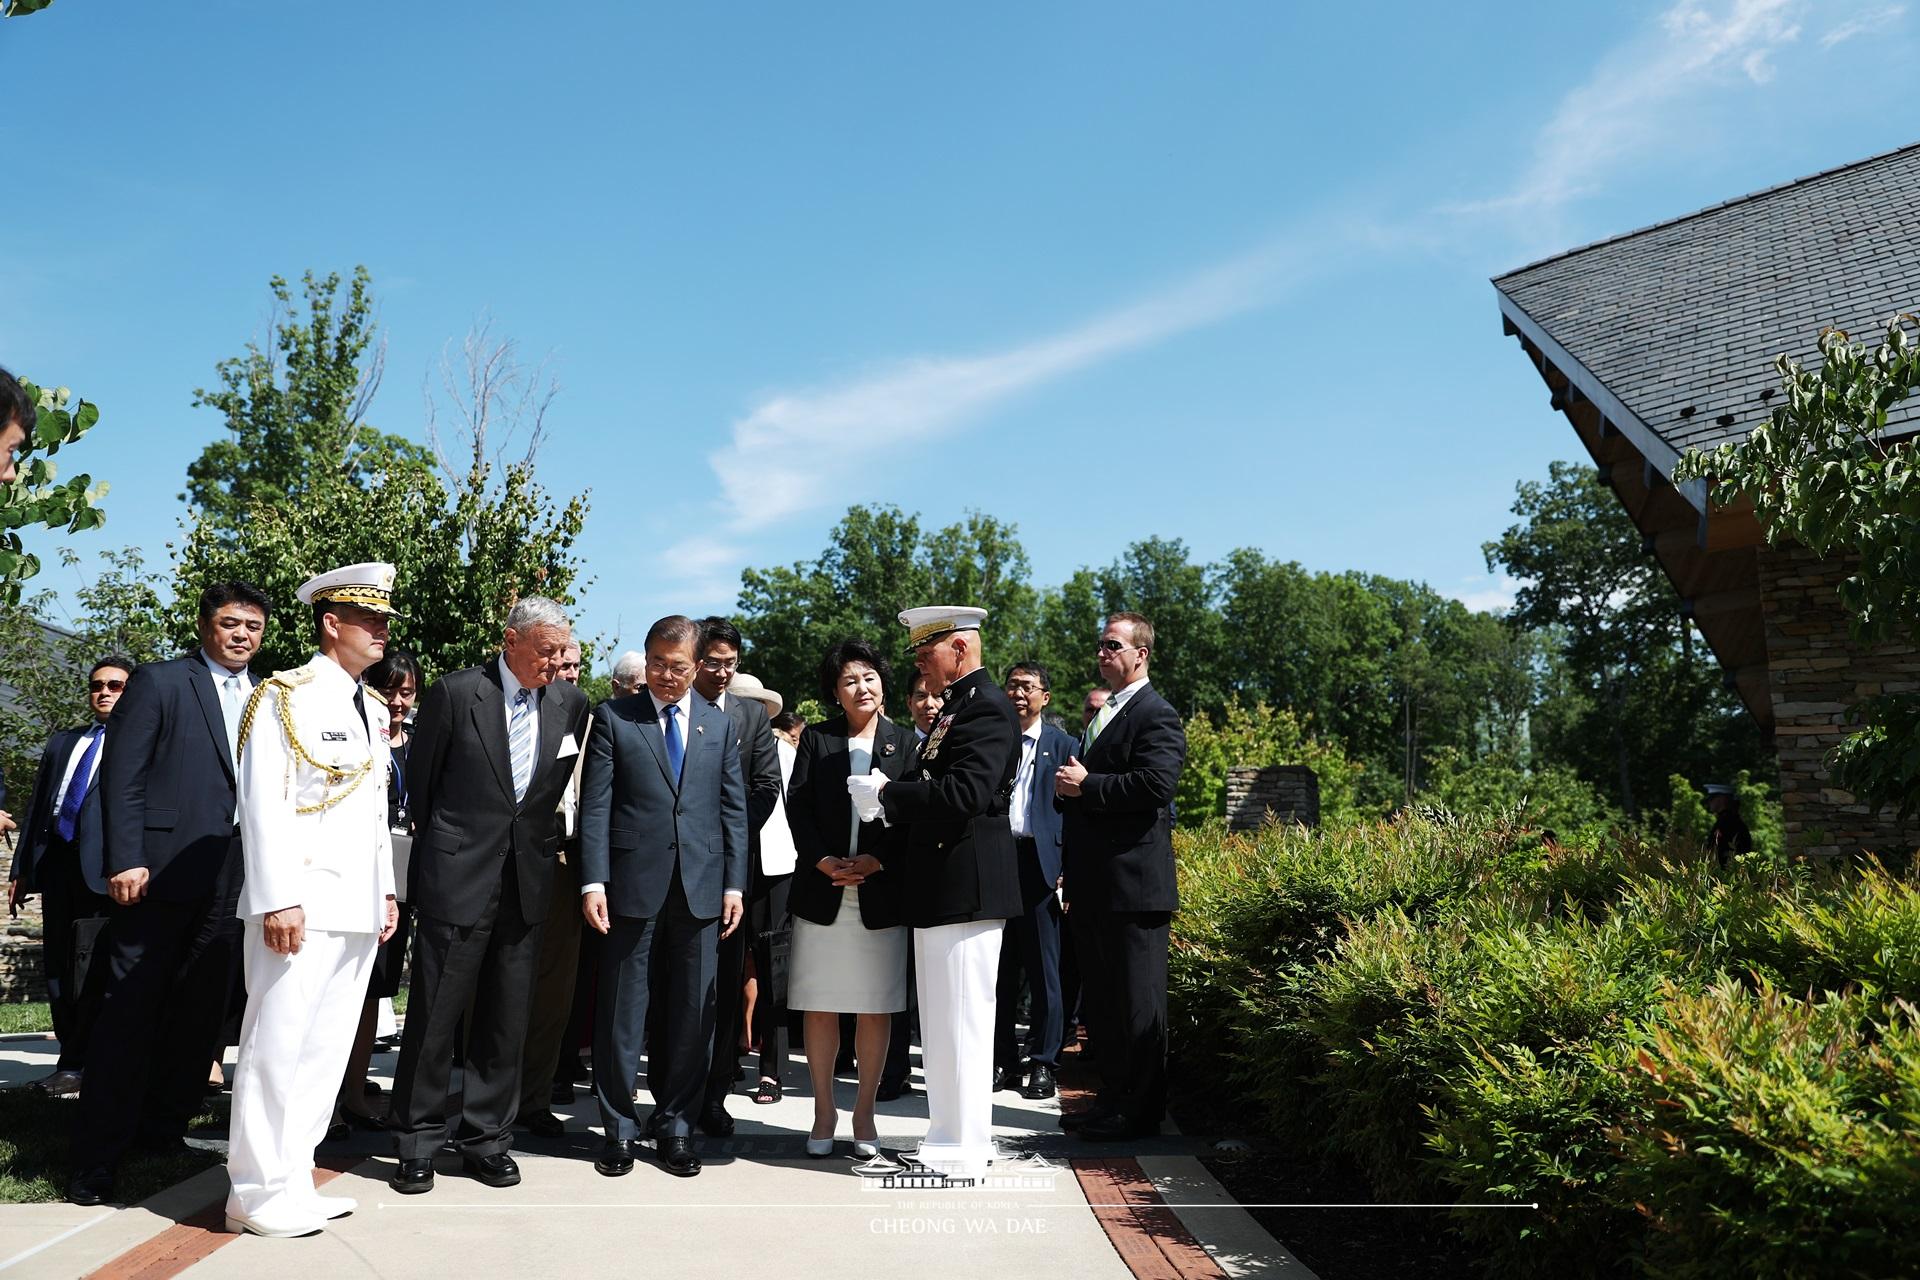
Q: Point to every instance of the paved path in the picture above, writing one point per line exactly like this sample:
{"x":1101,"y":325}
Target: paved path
{"x":1148,"y":1210}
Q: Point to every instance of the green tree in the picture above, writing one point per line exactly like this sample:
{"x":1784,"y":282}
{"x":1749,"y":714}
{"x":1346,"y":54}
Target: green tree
{"x":295,"y":410}
{"x":465,"y":546}
{"x":1640,"y":699}
{"x":1825,"y":472}
{"x":36,"y":496}
{"x":20,"y":8}
{"x":1259,"y":736}
{"x":1155,"y":578}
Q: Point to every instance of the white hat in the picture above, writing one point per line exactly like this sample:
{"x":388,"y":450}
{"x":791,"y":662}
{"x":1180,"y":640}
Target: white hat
{"x":933,"y":621}
{"x":365,"y":586}
{"x":747,"y":686}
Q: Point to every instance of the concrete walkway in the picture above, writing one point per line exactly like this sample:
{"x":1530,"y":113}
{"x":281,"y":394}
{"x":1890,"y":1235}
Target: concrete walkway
{"x":1062,"y":1209}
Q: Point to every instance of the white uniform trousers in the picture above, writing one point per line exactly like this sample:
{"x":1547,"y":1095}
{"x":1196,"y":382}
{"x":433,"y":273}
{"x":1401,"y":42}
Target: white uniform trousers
{"x":302,"y":1012}
{"x":957,"y":965}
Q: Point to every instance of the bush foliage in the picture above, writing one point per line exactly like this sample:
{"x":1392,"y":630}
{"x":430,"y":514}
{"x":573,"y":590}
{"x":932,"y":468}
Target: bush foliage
{"x":1692,"y":1072}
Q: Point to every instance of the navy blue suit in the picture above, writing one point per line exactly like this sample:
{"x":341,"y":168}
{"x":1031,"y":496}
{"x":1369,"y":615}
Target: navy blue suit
{"x":1032,"y":945}
{"x":167,"y":794}
{"x":667,"y":850}
{"x":69,"y":875}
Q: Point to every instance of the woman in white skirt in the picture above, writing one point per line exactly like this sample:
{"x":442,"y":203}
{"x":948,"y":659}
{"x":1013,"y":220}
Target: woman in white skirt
{"x":849,"y":946}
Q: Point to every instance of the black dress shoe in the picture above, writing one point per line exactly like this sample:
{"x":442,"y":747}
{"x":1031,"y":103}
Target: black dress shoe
{"x":544,"y":1124}
{"x":497,"y":1170}
{"x":715,"y":1122}
{"x":414,"y":1177}
{"x":561,"y":1093}
{"x":891,"y":1089}
{"x":1116,"y":1128}
{"x":614,"y":1160}
{"x":91,"y":1187}
{"x":1039,"y":1082}
{"x":677,"y":1158}
{"x":1008,"y":1079}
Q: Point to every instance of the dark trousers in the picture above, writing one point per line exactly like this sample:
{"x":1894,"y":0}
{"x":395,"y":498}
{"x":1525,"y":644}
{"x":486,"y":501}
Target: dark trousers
{"x":899,"y":1067}
{"x":65,"y":903}
{"x":1123,"y":955}
{"x":484,"y":972}
{"x":686,"y":956}
{"x":169,"y":975}
{"x":554,"y":977}
{"x":1073,"y":1014}
{"x":729,"y":1004}
{"x":770,"y":946}
{"x":586,"y":995}
{"x":1030,"y":950}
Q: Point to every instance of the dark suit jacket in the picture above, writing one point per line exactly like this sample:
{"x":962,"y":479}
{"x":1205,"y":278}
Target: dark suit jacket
{"x":1119,"y":829}
{"x":460,"y":791}
{"x":958,"y":855}
{"x":36,"y":825}
{"x":760,"y":767}
{"x":1043,"y":820}
{"x":636,"y":828}
{"x":821,"y":815}
{"x":166,"y":780}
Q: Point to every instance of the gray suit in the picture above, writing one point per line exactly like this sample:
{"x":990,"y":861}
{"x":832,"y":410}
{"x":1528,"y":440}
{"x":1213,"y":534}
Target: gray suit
{"x":667,"y":854}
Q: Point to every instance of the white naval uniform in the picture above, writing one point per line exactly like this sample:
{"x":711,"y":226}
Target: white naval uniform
{"x":336,"y":864}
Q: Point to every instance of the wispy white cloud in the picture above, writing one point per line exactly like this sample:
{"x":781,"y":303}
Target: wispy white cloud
{"x":784,"y":455}
{"x":1625,"y":108}
{"x":1866,"y":20}
{"x":1493,"y":594}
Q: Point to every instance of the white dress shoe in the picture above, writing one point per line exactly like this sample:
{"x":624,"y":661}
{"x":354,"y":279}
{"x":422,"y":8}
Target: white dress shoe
{"x":866,"y":1150}
{"x":819,"y":1148}
{"x":277,"y":1224}
{"x":333,"y":1206}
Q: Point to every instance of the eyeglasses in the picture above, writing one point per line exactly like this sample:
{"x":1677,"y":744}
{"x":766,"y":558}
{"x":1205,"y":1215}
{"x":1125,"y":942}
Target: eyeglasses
{"x":107,"y":686}
{"x":717,"y":665}
{"x":659,"y":667}
{"x":1025,"y":686}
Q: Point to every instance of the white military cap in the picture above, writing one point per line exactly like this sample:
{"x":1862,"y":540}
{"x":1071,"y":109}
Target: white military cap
{"x":931,"y":622}
{"x":365,"y":586}
{"x":747,"y":686}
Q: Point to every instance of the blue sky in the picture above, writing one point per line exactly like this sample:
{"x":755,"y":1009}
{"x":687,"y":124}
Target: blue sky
{"x":1216,"y":272}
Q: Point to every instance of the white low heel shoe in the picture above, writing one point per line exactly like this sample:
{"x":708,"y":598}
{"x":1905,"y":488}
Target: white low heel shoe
{"x":819,"y":1148}
{"x":333,"y":1206}
{"x":866,"y":1150}
{"x":276,"y":1226}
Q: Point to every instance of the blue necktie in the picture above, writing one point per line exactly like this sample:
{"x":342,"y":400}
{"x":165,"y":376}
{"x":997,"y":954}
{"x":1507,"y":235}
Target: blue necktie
{"x":69,"y":816}
{"x":676,"y":745}
{"x":520,"y":743}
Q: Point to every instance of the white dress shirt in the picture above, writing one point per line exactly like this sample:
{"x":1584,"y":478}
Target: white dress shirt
{"x":510,"y":688}
{"x":778,"y":857}
{"x":230,"y":708}
{"x":660,"y":718}
{"x":1023,"y":781}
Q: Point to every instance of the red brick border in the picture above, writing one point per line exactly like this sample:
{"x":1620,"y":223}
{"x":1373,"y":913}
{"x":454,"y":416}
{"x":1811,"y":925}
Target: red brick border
{"x":1148,"y":1236}
{"x":195,"y":1237}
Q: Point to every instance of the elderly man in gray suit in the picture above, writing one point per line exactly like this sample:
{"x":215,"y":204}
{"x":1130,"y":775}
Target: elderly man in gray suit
{"x":663,"y":845}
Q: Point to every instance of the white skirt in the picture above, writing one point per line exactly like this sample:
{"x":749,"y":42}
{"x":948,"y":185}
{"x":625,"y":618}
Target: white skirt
{"x":845,"y":967}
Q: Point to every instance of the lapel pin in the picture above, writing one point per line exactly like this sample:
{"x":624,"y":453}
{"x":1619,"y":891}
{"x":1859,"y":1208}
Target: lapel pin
{"x":699,"y":728}
{"x":887,"y":750}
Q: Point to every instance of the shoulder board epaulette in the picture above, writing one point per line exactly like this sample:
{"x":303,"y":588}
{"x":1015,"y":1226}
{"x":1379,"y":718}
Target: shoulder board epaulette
{"x":281,"y":680}
{"x":291,"y":679}
{"x":375,"y":694}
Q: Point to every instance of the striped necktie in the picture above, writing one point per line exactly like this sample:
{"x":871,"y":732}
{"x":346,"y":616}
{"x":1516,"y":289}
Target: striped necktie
{"x":1100,"y":718}
{"x":520,"y":743}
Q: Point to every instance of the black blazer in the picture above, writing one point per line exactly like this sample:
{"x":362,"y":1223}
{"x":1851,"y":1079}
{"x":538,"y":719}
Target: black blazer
{"x":637,"y":829}
{"x":166,"y":780}
{"x":1119,"y":829}
{"x":460,"y":791}
{"x":36,"y":825}
{"x":760,"y":767}
{"x":958,"y":855}
{"x":821,"y":815}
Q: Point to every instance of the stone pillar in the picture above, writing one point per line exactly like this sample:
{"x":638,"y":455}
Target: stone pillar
{"x":1279,"y":793}
{"x":1818,"y":676}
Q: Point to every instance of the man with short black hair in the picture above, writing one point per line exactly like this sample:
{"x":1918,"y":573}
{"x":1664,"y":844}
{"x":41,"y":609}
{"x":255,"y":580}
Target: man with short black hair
{"x":718,"y":662}
{"x":1032,"y":944}
{"x":663,"y":836}
{"x":172,"y":859}
{"x":61,"y":856}
{"x":17,"y":418}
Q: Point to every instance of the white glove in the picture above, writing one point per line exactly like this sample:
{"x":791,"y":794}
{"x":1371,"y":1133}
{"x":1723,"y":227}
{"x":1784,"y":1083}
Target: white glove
{"x":865,"y":790}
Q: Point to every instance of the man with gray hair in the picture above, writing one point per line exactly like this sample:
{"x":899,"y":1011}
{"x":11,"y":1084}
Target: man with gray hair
{"x":629,"y":673}
{"x":493,"y":749}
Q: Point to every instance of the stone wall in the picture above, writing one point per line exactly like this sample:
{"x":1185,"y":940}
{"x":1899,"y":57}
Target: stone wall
{"x":1818,"y":677}
{"x":22,"y":976}
{"x":1280,"y":792}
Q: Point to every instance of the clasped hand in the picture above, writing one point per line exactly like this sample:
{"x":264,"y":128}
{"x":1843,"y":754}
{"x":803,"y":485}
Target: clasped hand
{"x":846,"y":872}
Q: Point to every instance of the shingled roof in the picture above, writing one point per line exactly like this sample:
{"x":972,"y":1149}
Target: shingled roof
{"x":1672,"y":330}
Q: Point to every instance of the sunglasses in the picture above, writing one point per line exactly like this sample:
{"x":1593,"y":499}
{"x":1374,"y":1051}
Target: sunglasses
{"x":109,"y":686}
{"x":1115,"y":646}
